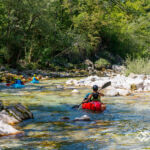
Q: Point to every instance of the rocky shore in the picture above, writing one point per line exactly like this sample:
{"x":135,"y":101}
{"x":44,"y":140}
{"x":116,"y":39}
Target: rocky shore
{"x":10,"y":115}
{"x":120,"y":84}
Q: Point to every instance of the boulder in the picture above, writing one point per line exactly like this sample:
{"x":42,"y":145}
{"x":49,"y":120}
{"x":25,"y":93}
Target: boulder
{"x":118,"y":68}
{"x":25,"y":111}
{"x":6,"y":118}
{"x":111,"y":91}
{"x":71,"y":82}
{"x":75,"y":91}
{"x":88,"y":63}
{"x":123,"y":92}
{"x":19,"y":112}
{"x":146,"y":88}
{"x":82,"y":118}
{"x":6,"y":129}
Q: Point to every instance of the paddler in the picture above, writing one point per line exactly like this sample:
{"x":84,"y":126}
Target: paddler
{"x":94,"y":96}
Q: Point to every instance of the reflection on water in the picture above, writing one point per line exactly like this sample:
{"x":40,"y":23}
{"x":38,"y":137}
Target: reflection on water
{"x":124,"y":125}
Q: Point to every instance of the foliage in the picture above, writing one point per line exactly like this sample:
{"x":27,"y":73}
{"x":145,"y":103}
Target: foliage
{"x":44,"y":31}
{"x":100,"y":63}
{"x":138,"y":66}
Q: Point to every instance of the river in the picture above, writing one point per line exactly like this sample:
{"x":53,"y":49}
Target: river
{"x":124,"y":125}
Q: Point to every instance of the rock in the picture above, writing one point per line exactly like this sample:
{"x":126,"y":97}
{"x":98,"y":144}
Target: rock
{"x":146,"y":88}
{"x":60,"y":87}
{"x":75,"y":91}
{"x":71,"y":82}
{"x":82,"y":118}
{"x":65,"y":118}
{"x":132,"y":75}
{"x":111,"y":92}
{"x":6,"y":118}
{"x":89,"y":66}
{"x":6,"y":129}
{"x":118,"y":68}
{"x":133,"y":87}
{"x":92,"y":78}
{"x":19,"y":112}
{"x":88,"y":63}
{"x":26,"y":112}
{"x":123,"y":92}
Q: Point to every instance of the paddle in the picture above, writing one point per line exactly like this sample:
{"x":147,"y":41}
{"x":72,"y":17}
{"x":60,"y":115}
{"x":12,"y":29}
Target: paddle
{"x":103,"y":87}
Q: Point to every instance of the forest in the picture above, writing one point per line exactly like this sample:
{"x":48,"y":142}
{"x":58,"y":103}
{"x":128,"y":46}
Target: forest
{"x":48,"y":33}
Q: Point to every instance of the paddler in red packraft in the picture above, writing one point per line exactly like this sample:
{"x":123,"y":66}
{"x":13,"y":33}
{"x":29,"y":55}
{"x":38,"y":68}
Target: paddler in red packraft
{"x":93,"y":101}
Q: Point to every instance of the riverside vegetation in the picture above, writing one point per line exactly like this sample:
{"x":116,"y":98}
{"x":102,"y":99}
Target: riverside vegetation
{"x":62,"y":33}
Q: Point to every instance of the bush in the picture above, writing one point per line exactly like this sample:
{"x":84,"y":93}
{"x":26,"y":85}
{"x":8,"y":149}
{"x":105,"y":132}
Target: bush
{"x":102,"y":63}
{"x":137,"y":66}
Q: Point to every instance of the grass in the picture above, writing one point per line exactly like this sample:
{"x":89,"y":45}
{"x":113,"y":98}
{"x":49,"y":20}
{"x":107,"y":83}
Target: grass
{"x":138,"y":66}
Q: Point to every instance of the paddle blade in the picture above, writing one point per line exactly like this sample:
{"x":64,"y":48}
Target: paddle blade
{"x":106,"y":85}
{"x":75,"y":106}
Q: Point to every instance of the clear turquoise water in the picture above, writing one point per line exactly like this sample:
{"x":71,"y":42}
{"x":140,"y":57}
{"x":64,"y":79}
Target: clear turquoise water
{"x":124,"y":125}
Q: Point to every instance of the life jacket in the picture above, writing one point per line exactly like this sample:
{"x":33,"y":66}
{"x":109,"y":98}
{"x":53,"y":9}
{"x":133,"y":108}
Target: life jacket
{"x":95,"y":97}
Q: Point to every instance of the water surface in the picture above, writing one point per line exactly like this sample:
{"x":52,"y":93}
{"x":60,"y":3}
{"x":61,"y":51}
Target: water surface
{"x":124,"y":125}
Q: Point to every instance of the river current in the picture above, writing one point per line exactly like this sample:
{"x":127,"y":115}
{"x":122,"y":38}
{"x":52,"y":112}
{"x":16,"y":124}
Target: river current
{"x":124,"y":125}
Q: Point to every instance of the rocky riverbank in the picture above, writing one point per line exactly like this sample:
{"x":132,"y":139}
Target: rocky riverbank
{"x":120,"y":84}
{"x":10,"y":115}
{"x":45,"y":74}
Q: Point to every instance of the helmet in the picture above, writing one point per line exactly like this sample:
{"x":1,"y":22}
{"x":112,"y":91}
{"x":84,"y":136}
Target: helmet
{"x":95,"y":87}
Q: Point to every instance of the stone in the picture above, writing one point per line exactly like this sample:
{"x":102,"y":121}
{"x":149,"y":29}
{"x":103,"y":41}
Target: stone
{"x":82,"y":118}
{"x":123,"y":92}
{"x":6,"y":118}
{"x":60,"y":87}
{"x":111,"y":92}
{"x":88,"y":63}
{"x":19,"y":112}
{"x":27,"y":113}
{"x":6,"y":129}
{"x":118,"y":68}
{"x":65,"y":118}
{"x":71,"y":82}
{"x":75,"y":91}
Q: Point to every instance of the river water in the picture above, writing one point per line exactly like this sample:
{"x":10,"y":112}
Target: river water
{"x":124,"y":125}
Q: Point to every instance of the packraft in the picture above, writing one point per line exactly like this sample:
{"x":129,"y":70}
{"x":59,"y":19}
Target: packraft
{"x":18,"y":84}
{"x":34,"y":80}
{"x":94,"y":106}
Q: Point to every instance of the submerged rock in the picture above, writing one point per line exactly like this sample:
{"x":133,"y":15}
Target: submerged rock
{"x":1,"y":106}
{"x":60,"y":87}
{"x":65,"y":118}
{"x":82,"y":118}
